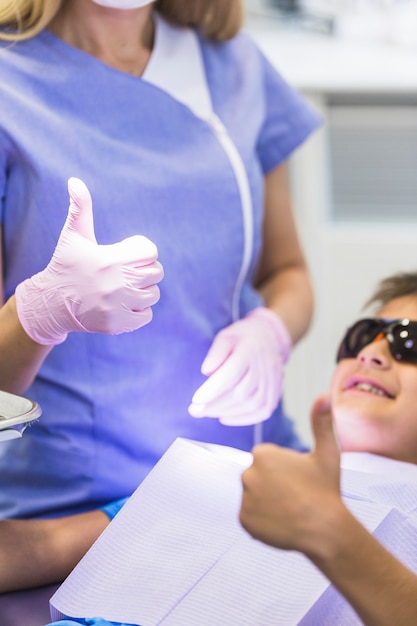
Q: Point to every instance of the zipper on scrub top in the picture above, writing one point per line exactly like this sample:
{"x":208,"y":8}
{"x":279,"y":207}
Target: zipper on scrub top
{"x":246,"y":204}
{"x":247,"y":213}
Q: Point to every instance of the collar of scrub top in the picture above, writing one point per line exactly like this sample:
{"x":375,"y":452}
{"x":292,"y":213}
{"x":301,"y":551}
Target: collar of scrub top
{"x":16,"y":413}
{"x":176,"y":66}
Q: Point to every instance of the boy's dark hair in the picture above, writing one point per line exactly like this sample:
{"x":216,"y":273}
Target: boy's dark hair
{"x":392,"y":287}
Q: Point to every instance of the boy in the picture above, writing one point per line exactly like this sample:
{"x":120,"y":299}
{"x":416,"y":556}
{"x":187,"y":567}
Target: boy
{"x":292,"y":501}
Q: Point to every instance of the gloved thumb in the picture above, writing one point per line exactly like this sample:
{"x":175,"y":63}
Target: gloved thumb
{"x":220,"y":350}
{"x":326,"y":447}
{"x":80,"y":212}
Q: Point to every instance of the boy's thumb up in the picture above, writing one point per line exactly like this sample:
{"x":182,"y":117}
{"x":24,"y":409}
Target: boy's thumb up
{"x":326,"y":448}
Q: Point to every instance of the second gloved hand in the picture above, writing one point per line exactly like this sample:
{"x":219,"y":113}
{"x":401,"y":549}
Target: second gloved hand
{"x":245,"y":365}
{"x":86,"y":286}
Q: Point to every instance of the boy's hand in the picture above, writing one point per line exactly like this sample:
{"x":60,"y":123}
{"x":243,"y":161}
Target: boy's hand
{"x":289,"y":498}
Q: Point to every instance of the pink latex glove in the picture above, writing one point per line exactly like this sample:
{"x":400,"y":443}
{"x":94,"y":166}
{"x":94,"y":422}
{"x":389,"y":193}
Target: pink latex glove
{"x":245,"y":365}
{"x":89,"y":287}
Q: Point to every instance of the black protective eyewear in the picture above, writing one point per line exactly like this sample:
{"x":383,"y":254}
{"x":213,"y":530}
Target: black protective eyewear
{"x":400,"y":334}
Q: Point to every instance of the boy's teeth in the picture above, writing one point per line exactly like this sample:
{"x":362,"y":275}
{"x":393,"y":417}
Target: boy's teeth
{"x":370,"y":388}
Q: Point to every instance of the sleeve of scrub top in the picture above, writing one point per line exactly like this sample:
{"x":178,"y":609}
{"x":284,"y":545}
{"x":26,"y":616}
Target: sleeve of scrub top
{"x":112,"y":508}
{"x":289,"y":119}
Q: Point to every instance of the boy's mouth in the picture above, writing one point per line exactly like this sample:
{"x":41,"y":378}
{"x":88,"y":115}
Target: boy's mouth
{"x":369,"y":387}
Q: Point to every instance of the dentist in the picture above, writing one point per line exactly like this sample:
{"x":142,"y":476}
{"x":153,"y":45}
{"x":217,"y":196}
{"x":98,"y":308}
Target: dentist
{"x":173,"y":131}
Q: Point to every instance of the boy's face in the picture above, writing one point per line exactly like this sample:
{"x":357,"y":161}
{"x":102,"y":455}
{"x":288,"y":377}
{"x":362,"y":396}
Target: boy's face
{"x":374,"y":397}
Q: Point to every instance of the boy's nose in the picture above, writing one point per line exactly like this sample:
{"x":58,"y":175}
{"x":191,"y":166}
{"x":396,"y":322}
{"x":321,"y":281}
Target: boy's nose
{"x":376,"y":353}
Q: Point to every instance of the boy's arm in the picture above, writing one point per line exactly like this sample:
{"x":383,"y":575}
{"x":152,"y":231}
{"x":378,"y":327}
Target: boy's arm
{"x":292,"y":501}
{"x":380,"y":588}
{"x":41,"y":552}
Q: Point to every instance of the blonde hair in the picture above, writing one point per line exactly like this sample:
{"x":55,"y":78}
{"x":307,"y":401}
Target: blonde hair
{"x":217,"y":19}
{"x":22,"y":19}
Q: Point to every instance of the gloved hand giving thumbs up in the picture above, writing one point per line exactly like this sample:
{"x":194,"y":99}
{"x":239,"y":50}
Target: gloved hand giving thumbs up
{"x":86,"y":286}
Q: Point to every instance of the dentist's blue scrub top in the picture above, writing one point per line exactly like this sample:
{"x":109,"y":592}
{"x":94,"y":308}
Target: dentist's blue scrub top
{"x":155,"y":153}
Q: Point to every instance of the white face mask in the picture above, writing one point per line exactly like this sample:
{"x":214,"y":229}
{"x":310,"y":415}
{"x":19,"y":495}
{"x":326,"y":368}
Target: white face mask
{"x":123,"y":4}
